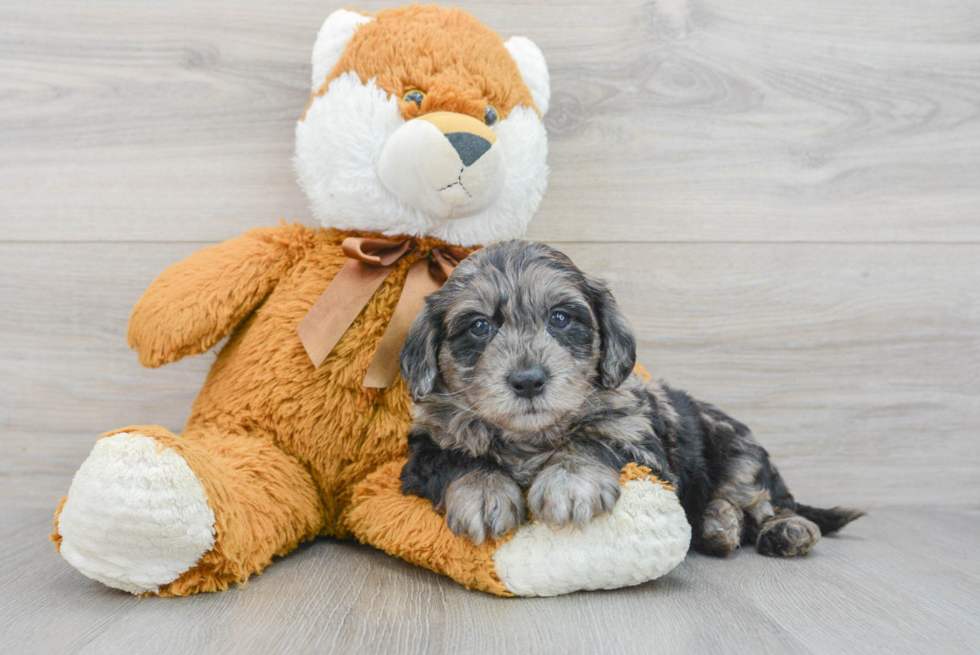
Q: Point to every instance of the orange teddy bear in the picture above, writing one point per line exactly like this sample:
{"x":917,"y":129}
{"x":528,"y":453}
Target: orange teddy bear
{"x":423,"y":139}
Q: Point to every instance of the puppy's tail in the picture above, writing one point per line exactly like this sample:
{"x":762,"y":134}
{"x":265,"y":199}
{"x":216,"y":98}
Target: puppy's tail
{"x":829,"y":520}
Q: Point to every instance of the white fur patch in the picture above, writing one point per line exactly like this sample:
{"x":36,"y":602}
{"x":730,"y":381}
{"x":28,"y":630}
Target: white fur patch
{"x":136,"y":517}
{"x":533,"y":68}
{"x":644,"y":537}
{"x":339,"y":145}
{"x":331,"y":41}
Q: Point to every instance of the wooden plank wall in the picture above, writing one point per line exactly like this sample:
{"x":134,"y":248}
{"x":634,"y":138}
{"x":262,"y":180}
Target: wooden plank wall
{"x":785,"y":196}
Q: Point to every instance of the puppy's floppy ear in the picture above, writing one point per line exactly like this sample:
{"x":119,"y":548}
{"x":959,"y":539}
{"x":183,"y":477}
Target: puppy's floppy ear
{"x":618,"y":344}
{"x":420,"y":355}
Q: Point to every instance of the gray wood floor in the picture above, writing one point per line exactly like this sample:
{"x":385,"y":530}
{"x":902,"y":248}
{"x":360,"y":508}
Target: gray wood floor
{"x":898,"y":581}
{"x":784,"y":195}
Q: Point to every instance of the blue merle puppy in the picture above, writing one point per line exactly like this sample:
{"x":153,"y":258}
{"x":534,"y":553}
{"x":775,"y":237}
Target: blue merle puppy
{"x":520,"y":368}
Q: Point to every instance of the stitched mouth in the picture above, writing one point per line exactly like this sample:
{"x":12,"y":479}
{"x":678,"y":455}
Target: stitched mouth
{"x":459,"y":183}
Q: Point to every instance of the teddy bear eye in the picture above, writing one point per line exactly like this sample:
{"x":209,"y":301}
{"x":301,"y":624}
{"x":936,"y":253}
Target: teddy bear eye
{"x":490,"y":115}
{"x":415,"y":96}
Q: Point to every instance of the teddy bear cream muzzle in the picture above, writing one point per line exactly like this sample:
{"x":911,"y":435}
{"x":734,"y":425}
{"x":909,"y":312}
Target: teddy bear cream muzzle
{"x":445,"y":164}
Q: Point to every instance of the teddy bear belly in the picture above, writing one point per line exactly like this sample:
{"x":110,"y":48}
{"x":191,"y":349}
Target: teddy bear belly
{"x":263,"y":382}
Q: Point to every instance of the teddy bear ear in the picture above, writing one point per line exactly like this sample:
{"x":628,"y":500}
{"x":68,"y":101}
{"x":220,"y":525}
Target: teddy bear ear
{"x":331,"y":41}
{"x":533,"y":69}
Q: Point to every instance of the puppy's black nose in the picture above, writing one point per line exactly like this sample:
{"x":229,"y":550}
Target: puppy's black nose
{"x":470,"y":147}
{"x":528,"y":382}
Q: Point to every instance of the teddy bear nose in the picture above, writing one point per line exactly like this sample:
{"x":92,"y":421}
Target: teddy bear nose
{"x":528,"y":382}
{"x":469,"y":146}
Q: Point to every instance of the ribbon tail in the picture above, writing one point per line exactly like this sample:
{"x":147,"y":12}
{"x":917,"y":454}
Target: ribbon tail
{"x":446,"y":263}
{"x":384,"y":367}
{"x":338,"y":306}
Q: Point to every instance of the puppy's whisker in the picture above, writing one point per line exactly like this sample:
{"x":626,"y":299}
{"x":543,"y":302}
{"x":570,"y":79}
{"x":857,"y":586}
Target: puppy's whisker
{"x":450,"y":394}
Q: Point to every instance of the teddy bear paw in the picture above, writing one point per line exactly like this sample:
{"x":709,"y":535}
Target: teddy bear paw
{"x":136,"y":516}
{"x":644,"y":536}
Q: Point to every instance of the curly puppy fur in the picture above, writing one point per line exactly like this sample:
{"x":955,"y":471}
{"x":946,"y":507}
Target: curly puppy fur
{"x":520,"y":367}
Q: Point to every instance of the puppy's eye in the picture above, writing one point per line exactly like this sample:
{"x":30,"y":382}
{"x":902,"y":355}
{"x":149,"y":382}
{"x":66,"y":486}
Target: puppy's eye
{"x":490,"y":115}
{"x":415,"y":96}
{"x":559,"y":320}
{"x":480,"y":327}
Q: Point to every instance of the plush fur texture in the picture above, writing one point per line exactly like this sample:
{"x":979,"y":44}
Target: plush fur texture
{"x":278,"y":445}
{"x":533,"y":69}
{"x":460,"y":66}
{"x":285,"y":452}
{"x":445,"y":164}
{"x":332,"y":40}
{"x":406,"y":527}
{"x":281,"y":450}
{"x":642,"y":538}
{"x":152,"y":490}
{"x":483,"y":435}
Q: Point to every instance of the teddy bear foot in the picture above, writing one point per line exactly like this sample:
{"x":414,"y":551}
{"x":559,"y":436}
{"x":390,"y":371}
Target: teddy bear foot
{"x":644,"y":537}
{"x":136,"y":516}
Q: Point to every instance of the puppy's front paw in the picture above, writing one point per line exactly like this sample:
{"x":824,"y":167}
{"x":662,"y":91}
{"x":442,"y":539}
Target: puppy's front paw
{"x":560,"y":496}
{"x":481,"y":504}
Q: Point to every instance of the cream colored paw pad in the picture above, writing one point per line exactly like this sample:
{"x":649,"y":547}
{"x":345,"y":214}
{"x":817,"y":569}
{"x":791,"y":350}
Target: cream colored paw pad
{"x":136,"y":517}
{"x":644,"y":537}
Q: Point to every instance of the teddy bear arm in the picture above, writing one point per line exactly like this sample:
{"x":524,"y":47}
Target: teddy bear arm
{"x":193,"y":304}
{"x":642,"y":538}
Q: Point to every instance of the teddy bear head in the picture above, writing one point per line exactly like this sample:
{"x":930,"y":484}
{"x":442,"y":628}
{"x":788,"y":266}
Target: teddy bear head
{"x":424,"y":122}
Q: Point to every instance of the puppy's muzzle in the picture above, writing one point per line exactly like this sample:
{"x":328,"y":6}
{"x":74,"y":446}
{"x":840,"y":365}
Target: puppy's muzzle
{"x":528,"y":382}
{"x":445,"y":164}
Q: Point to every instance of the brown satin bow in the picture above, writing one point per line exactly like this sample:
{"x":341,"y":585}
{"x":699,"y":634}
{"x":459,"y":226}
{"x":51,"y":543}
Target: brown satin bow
{"x":368,"y":264}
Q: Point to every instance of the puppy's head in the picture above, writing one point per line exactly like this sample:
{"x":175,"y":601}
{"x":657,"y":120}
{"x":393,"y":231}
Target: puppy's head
{"x":519,"y":336}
